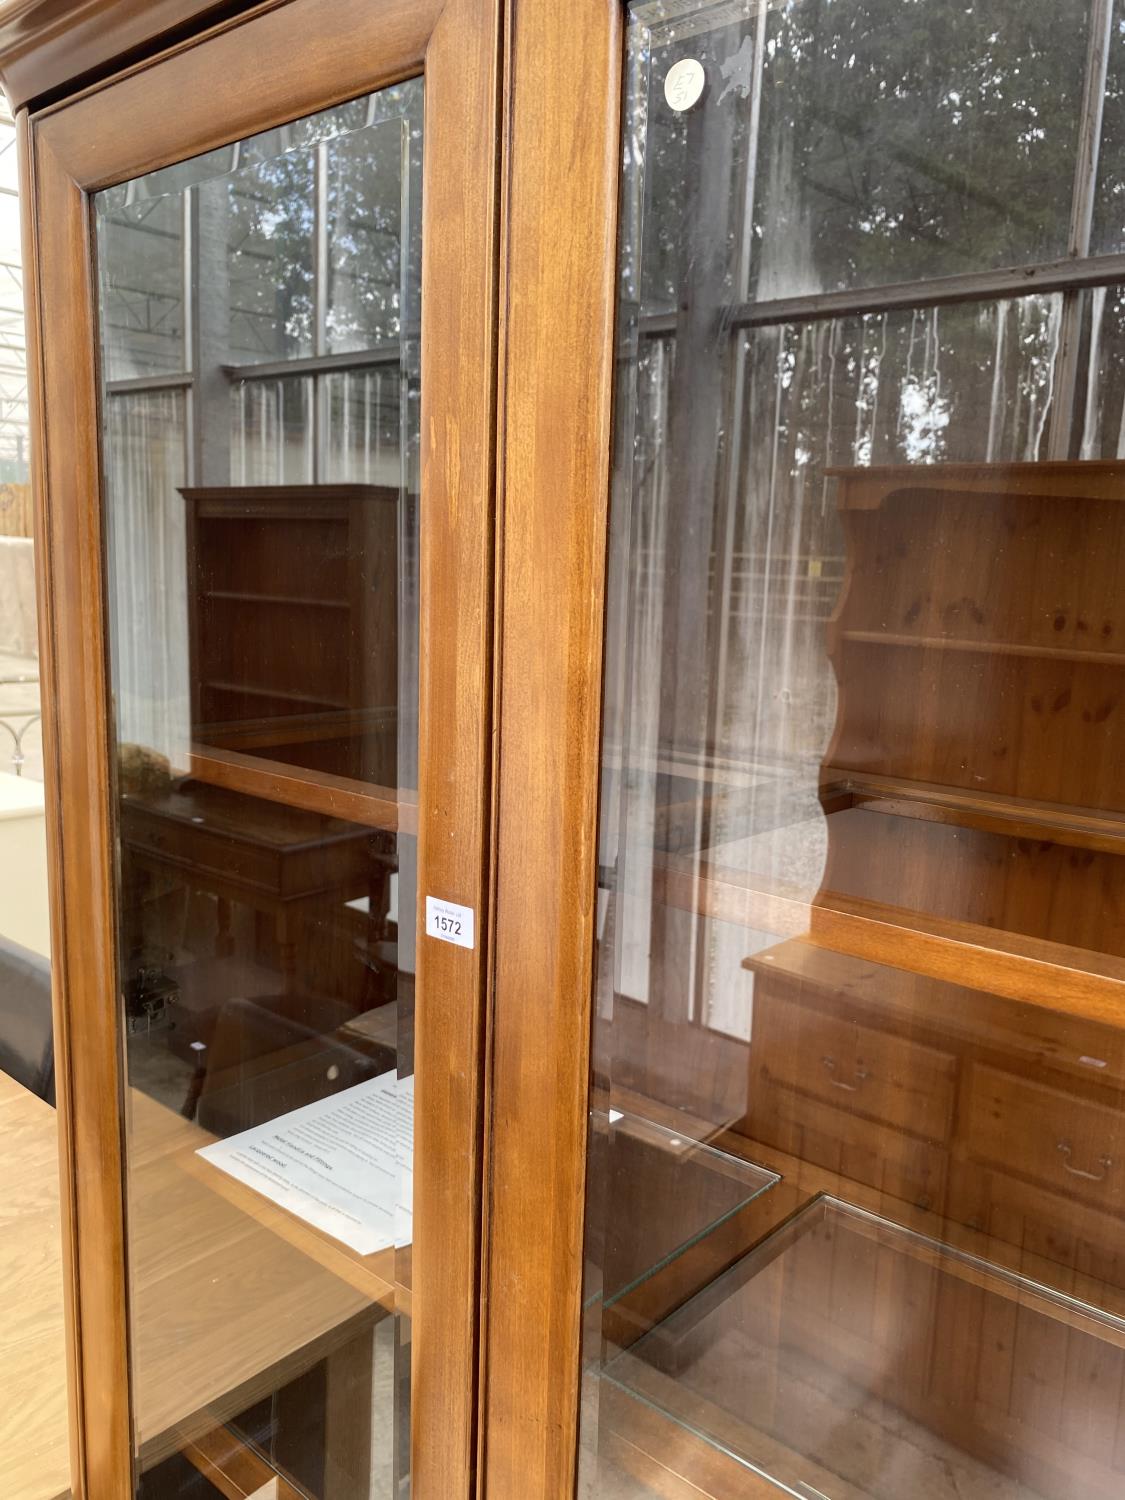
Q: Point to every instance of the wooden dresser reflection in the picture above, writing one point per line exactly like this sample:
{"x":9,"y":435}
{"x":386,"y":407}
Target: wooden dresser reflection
{"x":293,"y":603}
{"x":276,"y":883}
{"x":946,"y":1042}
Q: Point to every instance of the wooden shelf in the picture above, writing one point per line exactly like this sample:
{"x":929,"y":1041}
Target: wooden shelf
{"x":981,"y":647}
{"x":1033,"y":970}
{"x":243,"y":596}
{"x":991,"y":812}
{"x":289,"y":502}
{"x":249,"y":691}
{"x":299,"y":728}
{"x":942,"y":1010}
{"x":313,"y":791}
{"x":869,"y":488}
{"x":284,"y":668}
{"x":730,"y":896}
{"x":1011,"y":965}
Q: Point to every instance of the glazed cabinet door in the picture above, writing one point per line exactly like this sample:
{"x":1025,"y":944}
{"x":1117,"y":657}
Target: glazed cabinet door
{"x":819,"y":1077}
{"x":262,"y":271}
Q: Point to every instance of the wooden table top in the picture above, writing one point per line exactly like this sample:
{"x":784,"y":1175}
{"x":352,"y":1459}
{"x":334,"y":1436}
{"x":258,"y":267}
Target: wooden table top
{"x":231,"y":1295}
{"x":34,"y":1445}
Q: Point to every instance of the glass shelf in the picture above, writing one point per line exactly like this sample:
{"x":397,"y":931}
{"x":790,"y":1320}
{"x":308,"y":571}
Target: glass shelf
{"x":674,"y":1195}
{"x":846,"y":1355}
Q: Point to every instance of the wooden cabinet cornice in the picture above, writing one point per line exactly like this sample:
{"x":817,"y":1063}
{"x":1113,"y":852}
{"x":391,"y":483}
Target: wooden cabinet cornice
{"x":47,"y":47}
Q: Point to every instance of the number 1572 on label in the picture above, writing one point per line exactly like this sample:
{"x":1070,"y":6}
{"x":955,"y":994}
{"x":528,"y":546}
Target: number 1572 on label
{"x":450,"y":922}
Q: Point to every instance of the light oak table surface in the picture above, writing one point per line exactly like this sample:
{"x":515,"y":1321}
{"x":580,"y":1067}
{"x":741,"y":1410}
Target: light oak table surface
{"x":231,"y":1295}
{"x":34,"y":1454}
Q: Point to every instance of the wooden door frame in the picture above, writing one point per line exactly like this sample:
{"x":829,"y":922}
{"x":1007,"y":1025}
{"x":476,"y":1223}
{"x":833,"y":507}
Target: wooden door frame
{"x":562,"y":128}
{"x":281,"y":60}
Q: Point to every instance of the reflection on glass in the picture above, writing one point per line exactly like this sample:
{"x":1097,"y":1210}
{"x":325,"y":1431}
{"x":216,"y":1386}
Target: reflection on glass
{"x":862,"y":145}
{"x":143,"y":288}
{"x":267,"y":213}
{"x":704,"y":1192}
{"x":896,"y":147}
{"x":364,"y":413}
{"x":272,"y":430}
{"x":861,"y":896}
{"x":262,"y":555}
{"x":145,"y":434}
{"x":365,"y":214}
{"x":1102,"y":387}
{"x":1108,"y":230}
{"x":759,"y":1317}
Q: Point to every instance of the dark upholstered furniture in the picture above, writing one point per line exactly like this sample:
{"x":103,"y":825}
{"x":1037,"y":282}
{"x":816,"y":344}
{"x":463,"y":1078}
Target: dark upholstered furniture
{"x":27,"y":1051}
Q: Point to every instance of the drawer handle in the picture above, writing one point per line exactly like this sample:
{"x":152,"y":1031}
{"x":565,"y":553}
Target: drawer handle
{"x":861,"y":1076}
{"x":1105,"y":1162}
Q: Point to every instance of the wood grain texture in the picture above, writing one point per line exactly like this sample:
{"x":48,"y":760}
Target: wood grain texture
{"x":946,"y":1042}
{"x":335,"y":796}
{"x":558,"y":260}
{"x":293,"y":627}
{"x":667,"y":1459}
{"x":455,"y":715}
{"x":1016,"y":817}
{"x":233,"y":1295}
{"x":987,"y":1365}
{"x":49,"y":687}
{"x":346,"y":48}
{"x":802,"y":1180}
{"x":87,"y":1047}
{"x":1049,"y":974}
{"x":1024,"y":1174}
{"x":974,"y":839}
{"x":679,"y":1464}
{"x":34,"y":1454}
{"x":282,"y":62}
{"x":979,"y":729}
{"x":45,"y":45}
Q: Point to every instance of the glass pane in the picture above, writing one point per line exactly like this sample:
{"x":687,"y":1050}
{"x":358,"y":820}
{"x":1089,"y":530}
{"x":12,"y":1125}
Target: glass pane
{"x":365,"y":410}
{"x":1103,"y":379}
{"x":268,"y":212}
{"x":365,"y":213}
{"x":706,"y":1190}
{"x":145,"y":462}
{"x":760,"y":1315}
{"x":860,"y":836}
{"x":262,"y":556}
{"x":1108,"y":234}
{"x":272,"y":430}
{"x":856,"y":143}
{"x":143,"y":288}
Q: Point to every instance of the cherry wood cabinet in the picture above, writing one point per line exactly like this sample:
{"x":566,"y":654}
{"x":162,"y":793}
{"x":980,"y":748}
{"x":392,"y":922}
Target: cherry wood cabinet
{"x":479,"y":463}
{"x":252,"y":780}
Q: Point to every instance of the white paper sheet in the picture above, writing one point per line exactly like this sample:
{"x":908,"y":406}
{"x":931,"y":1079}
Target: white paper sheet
{"x":344,"y":1163}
